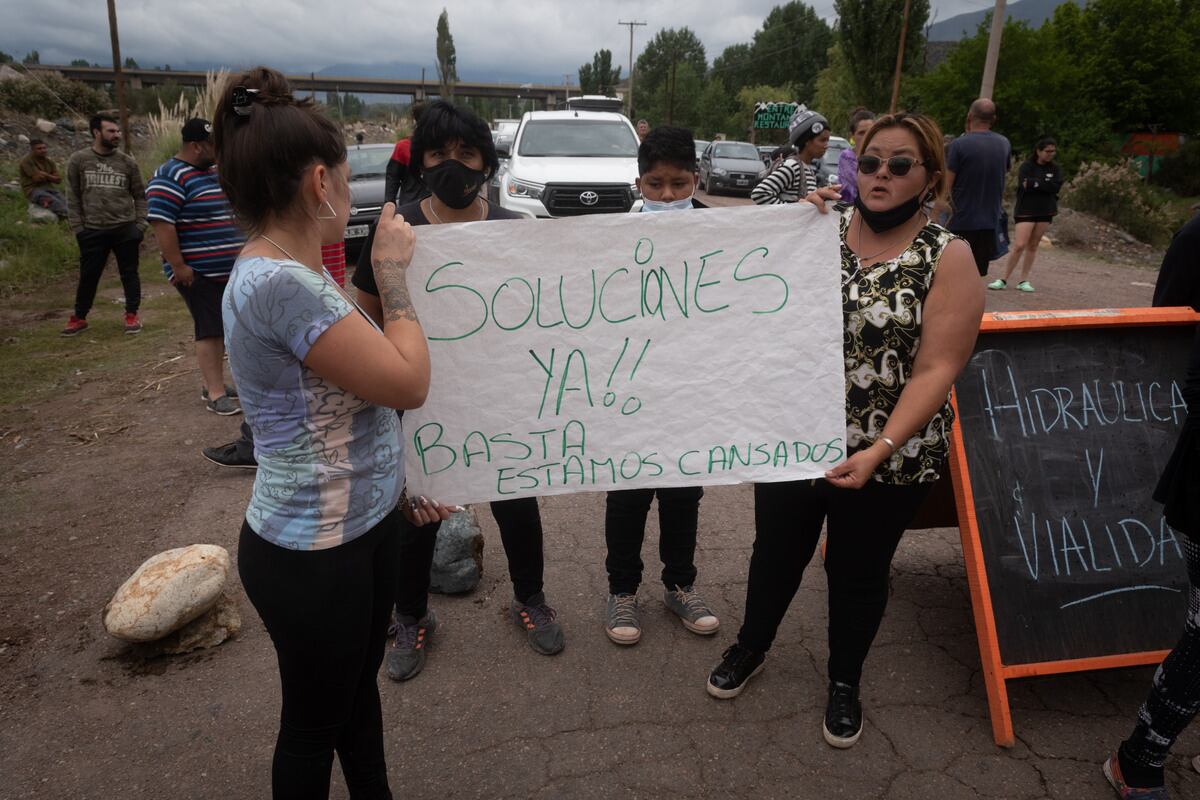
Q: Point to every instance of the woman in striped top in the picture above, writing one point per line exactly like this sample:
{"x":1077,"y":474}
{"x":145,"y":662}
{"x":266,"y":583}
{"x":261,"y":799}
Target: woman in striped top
{"x":794,"y":179}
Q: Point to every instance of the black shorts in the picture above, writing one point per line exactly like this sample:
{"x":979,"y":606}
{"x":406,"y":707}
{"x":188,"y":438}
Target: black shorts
{"x":983,"y":246}
{"x":203,"y":299}
{"x":1046,"y":219}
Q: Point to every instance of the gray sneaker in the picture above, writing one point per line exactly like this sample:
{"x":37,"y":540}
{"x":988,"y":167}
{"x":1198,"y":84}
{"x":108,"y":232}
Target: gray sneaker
{"x":621,"y":623}
{"x":406,"y":654}
{"x":229,"y":390}
{"x":691,"y":610}
{"x":538,"y":620}
{"x":223,"y":405}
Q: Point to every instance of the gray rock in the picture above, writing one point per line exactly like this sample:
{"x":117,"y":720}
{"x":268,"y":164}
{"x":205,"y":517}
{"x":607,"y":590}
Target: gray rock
{"x":22,"y":138}
{"x":39,"y":215}
{"x":45,"y":126}
{"x":458,"y":555}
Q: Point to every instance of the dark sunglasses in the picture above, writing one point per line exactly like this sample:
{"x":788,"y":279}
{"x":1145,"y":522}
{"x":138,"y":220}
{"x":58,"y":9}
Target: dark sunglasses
{"x":897,"y":165}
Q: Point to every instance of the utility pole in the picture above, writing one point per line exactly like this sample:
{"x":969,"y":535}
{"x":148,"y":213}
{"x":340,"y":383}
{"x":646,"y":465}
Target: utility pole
{"x":632,"y":25}
{"x":119,"y":77}
{"x":993,"y":52}
{"x":899,"y":59}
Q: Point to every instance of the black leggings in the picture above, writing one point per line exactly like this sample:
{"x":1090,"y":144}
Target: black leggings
{"x":625,"y":530}
{"x":520,"y":525}
{"x":327,"y":613}
{"x":1174,"y":697}
{"x":865,"y":526}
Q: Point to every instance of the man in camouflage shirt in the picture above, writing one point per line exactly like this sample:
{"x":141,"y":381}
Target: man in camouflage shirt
{"x":106,"y":205}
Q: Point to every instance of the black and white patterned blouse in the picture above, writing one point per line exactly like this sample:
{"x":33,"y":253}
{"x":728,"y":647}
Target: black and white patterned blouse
{"x":882,"y":306}
{"x":790,"y":181}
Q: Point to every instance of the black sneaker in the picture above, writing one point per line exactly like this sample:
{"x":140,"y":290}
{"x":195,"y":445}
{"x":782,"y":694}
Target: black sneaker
{"x":540,"y":623}
{"x":843,"y":716}
{"x":406,"y":656}
{"x":230,"y":455}
{"x":738,"y":665}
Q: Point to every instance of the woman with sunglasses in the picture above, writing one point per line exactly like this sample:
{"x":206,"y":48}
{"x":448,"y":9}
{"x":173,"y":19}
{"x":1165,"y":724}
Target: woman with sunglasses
{"x":911,"y":303}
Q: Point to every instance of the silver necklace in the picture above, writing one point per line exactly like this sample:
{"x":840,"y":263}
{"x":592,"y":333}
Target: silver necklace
{"x":482,"y":215}
{"x":860,"y":239}
{"x":279,"y":247}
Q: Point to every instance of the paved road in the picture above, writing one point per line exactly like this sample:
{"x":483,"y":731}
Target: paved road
{"x":488,"y":717}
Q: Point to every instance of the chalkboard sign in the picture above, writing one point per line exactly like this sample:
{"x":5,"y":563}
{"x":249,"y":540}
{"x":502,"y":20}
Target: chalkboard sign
{"x":1065,"y":421}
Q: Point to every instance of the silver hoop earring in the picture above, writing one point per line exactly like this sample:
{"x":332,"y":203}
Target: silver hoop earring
{"x":332,"y":214}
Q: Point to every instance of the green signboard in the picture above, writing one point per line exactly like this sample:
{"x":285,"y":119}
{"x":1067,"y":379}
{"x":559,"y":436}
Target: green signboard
{"x":773,"y":115}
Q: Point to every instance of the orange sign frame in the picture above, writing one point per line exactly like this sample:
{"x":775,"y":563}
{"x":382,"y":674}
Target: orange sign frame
{"x":995,"y":671}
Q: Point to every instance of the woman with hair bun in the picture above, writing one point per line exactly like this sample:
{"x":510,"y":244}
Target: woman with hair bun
{"x":319,"y":384}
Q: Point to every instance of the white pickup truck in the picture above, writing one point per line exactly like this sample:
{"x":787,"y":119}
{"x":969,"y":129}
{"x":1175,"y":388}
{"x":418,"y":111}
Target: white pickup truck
{"x":568,"y":163}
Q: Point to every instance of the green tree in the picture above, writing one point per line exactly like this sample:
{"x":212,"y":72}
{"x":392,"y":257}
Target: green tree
{"x":792,"y":47}
{"x":1139,"y":61}
{"x":79,"y":62}
{"x":676,"y":101}
{"x":447,"y":60}
{"x":837,"y":92}
{"x":717,"y":104}
{"x":130,"y":63}
{"x":658,"y":67}
{"x":599,"y":77}
{"x":1037,"y":92}
{"x":734,"y":67}
{"x":5,"y":58}
{"x":32,"y":57}
{"x":869,"y":34}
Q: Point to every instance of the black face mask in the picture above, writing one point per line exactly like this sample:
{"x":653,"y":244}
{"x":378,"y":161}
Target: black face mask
{"x":454,"y":183}
{"x":881,"y":221}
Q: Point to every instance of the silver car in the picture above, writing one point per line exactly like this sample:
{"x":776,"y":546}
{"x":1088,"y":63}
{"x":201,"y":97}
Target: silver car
{"x":730,"y":167}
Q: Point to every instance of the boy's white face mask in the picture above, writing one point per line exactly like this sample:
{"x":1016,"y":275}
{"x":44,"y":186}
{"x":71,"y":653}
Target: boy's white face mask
{"x":674,"y":205}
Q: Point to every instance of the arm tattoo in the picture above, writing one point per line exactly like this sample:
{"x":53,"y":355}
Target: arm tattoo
{"x":393,"y":290}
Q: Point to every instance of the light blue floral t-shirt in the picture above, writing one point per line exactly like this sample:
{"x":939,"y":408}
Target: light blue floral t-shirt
{"x":330,"y":464}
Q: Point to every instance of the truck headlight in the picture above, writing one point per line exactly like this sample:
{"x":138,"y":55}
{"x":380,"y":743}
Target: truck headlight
{"x":526,"y":189}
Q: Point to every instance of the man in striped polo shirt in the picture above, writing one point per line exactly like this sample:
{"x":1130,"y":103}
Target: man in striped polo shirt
{"x":199,"y":241}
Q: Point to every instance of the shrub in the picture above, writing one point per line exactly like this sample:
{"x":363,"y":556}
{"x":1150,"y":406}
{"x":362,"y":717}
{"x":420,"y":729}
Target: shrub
{"x":1117,"y":194}
{"x":51,"y":95}
{"x":1181,"y":171}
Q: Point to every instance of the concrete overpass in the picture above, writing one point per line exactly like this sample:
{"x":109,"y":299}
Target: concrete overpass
{"x":549,"y":95}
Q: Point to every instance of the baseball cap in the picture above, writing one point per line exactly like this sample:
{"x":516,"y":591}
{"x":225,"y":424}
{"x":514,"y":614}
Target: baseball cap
{"x":197,"y":130}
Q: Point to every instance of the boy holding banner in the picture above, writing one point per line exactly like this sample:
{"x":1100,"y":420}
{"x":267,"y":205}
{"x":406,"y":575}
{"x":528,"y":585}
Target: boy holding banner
{"x":667,"y":180}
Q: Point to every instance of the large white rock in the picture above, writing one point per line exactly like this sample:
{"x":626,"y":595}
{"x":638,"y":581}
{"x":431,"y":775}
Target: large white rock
{"x":46,"y":126}
{"x":167,"y":592}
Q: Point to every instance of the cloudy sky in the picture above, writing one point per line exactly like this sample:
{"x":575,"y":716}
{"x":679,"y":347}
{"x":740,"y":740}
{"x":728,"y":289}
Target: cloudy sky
{"x":545,"y":37}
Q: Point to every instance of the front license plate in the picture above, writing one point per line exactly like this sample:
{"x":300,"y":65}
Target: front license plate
{"x":357,"y":231}
{"x":743,"y":182}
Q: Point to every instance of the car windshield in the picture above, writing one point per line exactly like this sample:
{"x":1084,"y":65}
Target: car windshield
{"x":833,"y":153}
{"x":368,"y":162}
{"x":735,"y":150}
{"x":575,"y":139}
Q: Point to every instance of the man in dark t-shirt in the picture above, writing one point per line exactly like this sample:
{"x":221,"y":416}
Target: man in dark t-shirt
{"x":976,"y":163}
{"x":1179,"y":277}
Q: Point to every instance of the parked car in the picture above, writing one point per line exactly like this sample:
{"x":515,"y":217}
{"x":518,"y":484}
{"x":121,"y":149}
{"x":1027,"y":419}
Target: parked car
{"x":765,"y":151}
{"x":730,"y":166}
{"x":700,"y":145}
{"x":827,"y":165}
{"x":368,"y":168}
{"x":568,"y":163}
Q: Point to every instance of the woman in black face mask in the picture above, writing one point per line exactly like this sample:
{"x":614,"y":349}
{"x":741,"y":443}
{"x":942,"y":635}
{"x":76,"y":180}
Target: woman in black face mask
{"x":906,"y":283}
{"x":453,"y":153}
